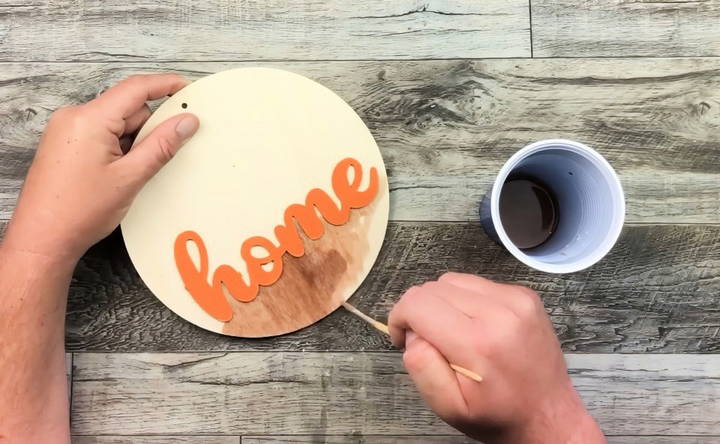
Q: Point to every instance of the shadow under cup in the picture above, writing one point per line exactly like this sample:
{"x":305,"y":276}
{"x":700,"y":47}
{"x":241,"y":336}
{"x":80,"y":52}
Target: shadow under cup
{"x":589,"y":199}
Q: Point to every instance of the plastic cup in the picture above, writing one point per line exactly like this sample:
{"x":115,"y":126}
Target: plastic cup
{"x":588,"y":195}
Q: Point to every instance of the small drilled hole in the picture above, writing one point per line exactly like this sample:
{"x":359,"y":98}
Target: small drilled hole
{"x":184,"y":105}
{"x":570,"y":173}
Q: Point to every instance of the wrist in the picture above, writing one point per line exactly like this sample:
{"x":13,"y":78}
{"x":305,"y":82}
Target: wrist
{"x":38,"y":246}
{"x":25,"y":260}
{"x":562,"y":419}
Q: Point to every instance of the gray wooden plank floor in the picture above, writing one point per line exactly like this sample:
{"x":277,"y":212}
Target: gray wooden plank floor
{"x":611,"y":28}
{"x":444,"y":127}
{"x":260,"y":30}
{"x":358,"y":393}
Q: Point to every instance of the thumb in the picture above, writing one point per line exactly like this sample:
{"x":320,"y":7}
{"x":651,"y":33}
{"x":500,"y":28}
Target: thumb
{"x":434,"y":378}
{"x":157,"y":148}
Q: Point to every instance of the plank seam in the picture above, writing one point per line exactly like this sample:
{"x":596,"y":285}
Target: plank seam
{"x":532,"y":45}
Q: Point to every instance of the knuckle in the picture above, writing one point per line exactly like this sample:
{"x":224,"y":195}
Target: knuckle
{"x":525,"y":302}
{"x":480,"y":343}
{"x":417,"y":354}
{"x":70,"y":116}
{"x":446,"y":275}
{"x":393,"y":317}
{"x":508,"y":331}
{"x":134,"y":79}
{"x":483,"y":281}
{"x":165,"y":149}
{"x":430,"y":286}
{"x":176,"y":77}
{"x":412,"y":294}
{"x":59,"y":113}
{"x":63,"y":113}
{"x":494,"y":346}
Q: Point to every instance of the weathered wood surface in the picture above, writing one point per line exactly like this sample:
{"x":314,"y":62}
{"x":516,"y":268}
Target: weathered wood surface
{"x":614,"y":28}
{"x":657,"y":292}
{"x":261,"y":30}
{"x":196,"y":439}
{"x":446,"y":127}
{"x":360,"y":393}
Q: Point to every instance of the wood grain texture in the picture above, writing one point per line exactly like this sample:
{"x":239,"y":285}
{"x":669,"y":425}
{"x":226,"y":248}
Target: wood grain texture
{"x":655,"y":293}
{"x":360,"y":393}
{"x":682,"y":391}
{"x":615,"y":28}
{"x":277,"y":29}
{"x":370,"y":439}
{"x":197,"y":439}
{"x":446,"y":127}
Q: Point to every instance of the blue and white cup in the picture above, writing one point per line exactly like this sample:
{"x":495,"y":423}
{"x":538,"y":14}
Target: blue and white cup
{"x":588,"y":195}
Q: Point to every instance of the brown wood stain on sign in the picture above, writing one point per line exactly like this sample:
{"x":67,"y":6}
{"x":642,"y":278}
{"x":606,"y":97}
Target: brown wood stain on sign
{"x":313,"y":285}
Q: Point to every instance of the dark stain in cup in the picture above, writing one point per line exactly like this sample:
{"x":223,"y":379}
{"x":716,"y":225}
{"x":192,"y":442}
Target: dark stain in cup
{"x":528,"y":211}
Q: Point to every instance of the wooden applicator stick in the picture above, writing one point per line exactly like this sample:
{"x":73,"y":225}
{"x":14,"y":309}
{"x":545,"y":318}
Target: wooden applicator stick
{"x":383,"y":328}
{"x":377,"y":324}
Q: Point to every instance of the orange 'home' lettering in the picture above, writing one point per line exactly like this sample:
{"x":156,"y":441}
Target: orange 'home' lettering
{"x":210,"y":296}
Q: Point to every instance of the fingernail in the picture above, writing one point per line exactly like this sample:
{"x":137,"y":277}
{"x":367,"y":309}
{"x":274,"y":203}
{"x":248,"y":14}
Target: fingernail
{"x":187,"y":127}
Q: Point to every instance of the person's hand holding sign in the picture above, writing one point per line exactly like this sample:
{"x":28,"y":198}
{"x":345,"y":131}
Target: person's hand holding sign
{"x":81,"y":183}
{"x":79,"y":187}
{"x":501,"y":332}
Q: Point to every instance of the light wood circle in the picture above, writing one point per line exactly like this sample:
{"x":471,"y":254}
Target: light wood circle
{"x":267,"y":137}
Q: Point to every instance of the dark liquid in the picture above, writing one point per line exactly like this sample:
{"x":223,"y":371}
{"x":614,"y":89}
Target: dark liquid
{"x":528,"y":211}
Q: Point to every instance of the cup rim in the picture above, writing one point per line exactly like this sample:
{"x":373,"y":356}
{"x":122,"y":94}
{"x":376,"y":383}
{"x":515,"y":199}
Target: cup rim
{"x":585,"y":151}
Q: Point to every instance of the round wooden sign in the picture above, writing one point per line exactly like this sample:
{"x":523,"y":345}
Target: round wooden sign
{"x":271,"y":216}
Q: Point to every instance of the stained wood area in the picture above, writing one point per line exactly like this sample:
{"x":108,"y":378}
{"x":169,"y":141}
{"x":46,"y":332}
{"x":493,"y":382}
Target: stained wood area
{"x":656,"y":292}
{"x":230,"y":30}
{"x":446,"y":127}
{"x":357,"y":393}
